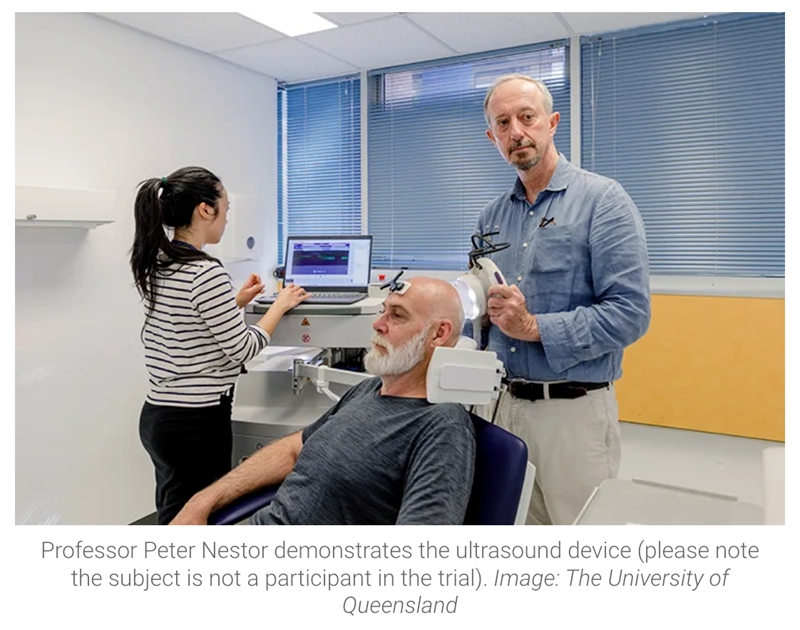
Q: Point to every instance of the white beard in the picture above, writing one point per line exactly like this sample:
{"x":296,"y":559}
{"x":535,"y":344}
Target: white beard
{"x":396,"y":360}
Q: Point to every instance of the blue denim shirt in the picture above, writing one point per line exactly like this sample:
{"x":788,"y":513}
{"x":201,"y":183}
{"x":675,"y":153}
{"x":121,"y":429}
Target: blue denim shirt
{"x":585,"y":275}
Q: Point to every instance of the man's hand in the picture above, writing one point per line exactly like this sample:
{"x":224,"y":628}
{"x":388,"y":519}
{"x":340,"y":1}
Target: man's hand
{"x":507,"y":310}
{"x":192,"y":514}
{"x":251,"y":288}
{"x":267,"y":467}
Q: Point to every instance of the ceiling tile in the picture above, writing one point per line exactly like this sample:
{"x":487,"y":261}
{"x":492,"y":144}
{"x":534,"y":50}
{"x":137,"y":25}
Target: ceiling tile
{"x":373,"y":40}
{"x":344,"y":19}
{"x":474,"y":32}
{"x":585,"y":23}
{"x":210,"y":32}
{"x":385,"y":42}
{"x":288,"y":60}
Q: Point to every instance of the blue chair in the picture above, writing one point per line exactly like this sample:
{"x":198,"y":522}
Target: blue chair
{"x":501,"y":487}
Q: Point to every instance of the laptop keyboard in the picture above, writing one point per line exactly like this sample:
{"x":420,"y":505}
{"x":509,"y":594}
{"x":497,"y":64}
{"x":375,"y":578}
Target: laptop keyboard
{"x":326,"y":297}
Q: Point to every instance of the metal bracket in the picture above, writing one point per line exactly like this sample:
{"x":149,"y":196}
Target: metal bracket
{"x":322,"y":376}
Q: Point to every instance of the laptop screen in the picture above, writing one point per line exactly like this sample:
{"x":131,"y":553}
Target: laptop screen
{"x":329,"y":262}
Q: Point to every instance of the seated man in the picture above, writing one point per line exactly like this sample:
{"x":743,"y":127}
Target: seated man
{"x":383,"y":454}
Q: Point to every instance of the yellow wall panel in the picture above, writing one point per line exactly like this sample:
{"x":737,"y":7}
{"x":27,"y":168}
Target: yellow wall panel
{"x":711,"y":364}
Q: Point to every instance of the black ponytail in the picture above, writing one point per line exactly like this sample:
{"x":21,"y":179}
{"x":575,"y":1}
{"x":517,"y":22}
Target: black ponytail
{"x":168,"y":202}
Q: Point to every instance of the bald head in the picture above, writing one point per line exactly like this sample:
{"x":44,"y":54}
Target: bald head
{"x":438,"y":300}
{"x":434,"y":303}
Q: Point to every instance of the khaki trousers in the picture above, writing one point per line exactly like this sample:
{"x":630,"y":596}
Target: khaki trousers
{"x":574,"y":444}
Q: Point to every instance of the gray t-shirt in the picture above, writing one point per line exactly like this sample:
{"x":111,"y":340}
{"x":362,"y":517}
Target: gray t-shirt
{"x":379,"y":460}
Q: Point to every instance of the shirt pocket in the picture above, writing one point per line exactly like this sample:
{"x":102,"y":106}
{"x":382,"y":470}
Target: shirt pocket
{"x":552,"y":268}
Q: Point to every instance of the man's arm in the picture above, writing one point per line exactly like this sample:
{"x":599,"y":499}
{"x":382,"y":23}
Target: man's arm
{"x":439,"y":480}
{"x":267,"y":467}
{"x":620,"y":273}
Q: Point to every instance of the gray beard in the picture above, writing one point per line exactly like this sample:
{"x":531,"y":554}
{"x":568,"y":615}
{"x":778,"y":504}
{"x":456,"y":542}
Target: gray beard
{"x":526,"y":166}
{"x":396,"y":360}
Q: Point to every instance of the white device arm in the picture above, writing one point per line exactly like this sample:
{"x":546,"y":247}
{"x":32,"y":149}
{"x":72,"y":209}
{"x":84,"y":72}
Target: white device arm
{"x":322,"y":376}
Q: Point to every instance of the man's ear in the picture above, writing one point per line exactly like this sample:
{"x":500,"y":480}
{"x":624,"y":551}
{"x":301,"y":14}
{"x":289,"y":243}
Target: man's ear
{"x":554,"y":118}
{"x":443,"y":332}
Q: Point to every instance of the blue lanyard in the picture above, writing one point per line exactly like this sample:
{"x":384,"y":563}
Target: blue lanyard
{"x":184,"y":244}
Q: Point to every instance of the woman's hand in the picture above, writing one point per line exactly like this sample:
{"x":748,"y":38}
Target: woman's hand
{"x":289,"y":297}
{"x":251,"y":288}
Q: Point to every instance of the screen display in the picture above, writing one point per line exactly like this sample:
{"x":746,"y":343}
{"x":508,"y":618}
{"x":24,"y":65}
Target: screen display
{"x":335,"y":262}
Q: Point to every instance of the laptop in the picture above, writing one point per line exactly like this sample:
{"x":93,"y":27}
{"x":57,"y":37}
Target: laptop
{"x":333,"y":269}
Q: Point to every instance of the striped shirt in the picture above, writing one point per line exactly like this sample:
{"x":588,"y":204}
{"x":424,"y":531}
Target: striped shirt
{"x":195,"y":339}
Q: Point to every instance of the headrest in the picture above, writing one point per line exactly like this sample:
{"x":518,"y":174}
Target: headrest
{"x":466,"y":343}
{"x":464,"y":376}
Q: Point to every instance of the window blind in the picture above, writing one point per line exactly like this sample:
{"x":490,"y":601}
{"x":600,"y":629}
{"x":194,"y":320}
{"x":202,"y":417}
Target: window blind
{"x":431,"y":167}
{"x":690,"y":121}
{"x":319,"y":159}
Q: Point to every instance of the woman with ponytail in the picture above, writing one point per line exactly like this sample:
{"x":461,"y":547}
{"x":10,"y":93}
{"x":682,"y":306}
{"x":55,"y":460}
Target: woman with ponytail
{"x":194,"y":335}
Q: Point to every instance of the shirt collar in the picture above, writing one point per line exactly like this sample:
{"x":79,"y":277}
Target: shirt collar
{"x":558,"y":181}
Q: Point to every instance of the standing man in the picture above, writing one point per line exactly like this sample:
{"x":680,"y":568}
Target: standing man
{"x":579,"y":294}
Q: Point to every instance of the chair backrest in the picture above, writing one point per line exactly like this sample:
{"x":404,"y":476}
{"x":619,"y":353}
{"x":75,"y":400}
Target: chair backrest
{"x":501,"y":460}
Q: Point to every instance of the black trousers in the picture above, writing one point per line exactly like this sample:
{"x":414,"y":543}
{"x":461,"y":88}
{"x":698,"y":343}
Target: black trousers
{"x":190,"y":449}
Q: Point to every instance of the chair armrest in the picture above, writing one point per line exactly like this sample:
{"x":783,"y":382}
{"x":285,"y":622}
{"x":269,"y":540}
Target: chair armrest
{"x":243,"y":507}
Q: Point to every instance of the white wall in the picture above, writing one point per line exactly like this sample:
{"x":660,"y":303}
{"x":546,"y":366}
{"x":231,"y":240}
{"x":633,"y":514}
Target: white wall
{"x":104,"y":107}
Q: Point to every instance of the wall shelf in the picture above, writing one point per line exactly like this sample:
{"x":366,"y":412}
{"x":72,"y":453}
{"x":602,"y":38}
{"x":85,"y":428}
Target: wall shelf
{"x":41,"y":207}
{"x":73,"y":223}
